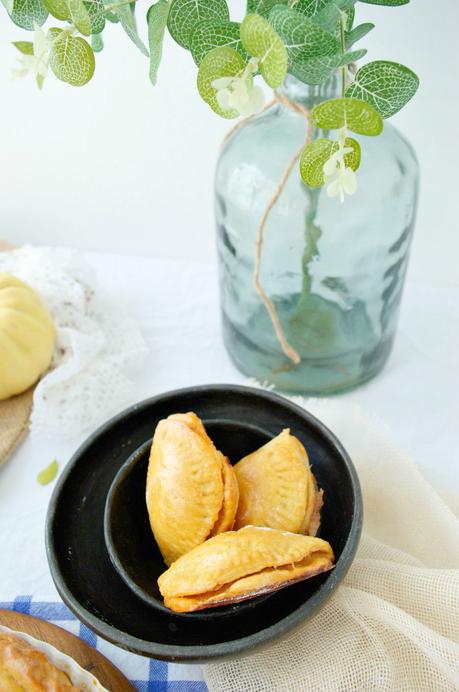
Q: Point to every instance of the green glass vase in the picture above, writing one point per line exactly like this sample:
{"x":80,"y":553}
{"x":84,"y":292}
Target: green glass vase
{"x":334,"y":272}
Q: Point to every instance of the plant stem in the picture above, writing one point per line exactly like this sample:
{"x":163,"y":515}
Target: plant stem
{"x":342,"y":25}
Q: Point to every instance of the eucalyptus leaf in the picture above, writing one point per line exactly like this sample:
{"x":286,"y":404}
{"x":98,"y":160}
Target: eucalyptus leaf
{"x":308,"y":8}
{"x":301,"y":36}
{"x":318,"y":70}
{"x":97,"y":43}
{"x":350,"y":14}
{"x":58,"y":8}
{"x":96,"y":12}
{"x":357,"y":34}
{"x":8,"y":5}
{"x":127,"y":19}
{"x":185,"y":14}
{"x":388,"y":3}
{"x":28,"y":13}
{"x":317,"y":153}
{"x":329,"y":18}
{"x":261,"y":41}
{"x":263,"y":7}
{"x":24,"y":47}
{"x":209,"y":35}
{"x":358,"y":116}
{"x":353,"y":56}
{"x":80,"y":16}
{"x":386,"y":85}
{"x":71,"y":58}
{"x":157,"y":22}
{"x":220,"y":62}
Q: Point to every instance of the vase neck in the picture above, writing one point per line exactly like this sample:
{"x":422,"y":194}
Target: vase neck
{"x":307,"y":95}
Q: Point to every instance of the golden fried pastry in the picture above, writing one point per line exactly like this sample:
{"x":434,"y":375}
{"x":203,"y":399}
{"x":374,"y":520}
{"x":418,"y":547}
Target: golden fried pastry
{"x":23,"y":668}
{"x":227,"y":515}
{"x":238,"y":565}
{"x":277,"y":488}
{"x":191,"y":488}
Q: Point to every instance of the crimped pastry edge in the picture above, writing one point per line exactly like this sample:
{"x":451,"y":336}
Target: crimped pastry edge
{"x":79,"y":677}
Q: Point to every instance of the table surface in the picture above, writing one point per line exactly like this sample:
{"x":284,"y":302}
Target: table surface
{"x":176,"y":305}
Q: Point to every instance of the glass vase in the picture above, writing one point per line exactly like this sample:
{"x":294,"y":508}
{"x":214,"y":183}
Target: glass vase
{"x":333,"y":272}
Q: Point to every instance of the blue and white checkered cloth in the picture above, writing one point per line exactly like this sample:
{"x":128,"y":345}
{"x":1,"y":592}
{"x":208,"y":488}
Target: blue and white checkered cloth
{"x":146,"y":674}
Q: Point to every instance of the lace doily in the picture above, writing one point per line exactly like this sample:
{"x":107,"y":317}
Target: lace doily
{"x":95,"y":345}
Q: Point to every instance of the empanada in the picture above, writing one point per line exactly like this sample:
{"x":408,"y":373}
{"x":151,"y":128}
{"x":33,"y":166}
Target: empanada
{"x":227,"y":516}
{"x":191,"y":488}
{"x":238,"y":565}
{"x":277,"y":488}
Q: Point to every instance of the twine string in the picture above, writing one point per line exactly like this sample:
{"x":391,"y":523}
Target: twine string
{"x":299,"y":109}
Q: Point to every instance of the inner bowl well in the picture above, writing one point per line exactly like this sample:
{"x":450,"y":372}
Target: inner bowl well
{"x":130,"y":542}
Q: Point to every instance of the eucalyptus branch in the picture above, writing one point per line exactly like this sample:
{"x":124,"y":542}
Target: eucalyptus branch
{"x":342,"y":25}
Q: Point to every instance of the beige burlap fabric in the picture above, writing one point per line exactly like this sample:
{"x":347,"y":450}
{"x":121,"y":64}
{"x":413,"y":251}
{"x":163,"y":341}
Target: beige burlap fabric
{"x":14,"y":413}
{"x":394,"y":623}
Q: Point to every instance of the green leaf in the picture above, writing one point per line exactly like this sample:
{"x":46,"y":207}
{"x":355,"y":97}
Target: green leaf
{"x":58,"y":9}
{"x":350,"y":14}
{"x":157,"y":22}
{"x":96,"y":11}
{"x":387,"y":86}
{"x":185,"y":14}
{"x":318,"y":70}
{"x":97,"y":43}
{"x":220,"y":62}
{"x":317,"y":153}
{"x":357,"y":33}
{"x":354,"y":114}
{"x":261,"y":41}
{"x":24,"y":47}
{"x":209,"y":35}
{"x":263,"y":7}
{"x":28,"y":13}
{"x":388,"y":3}
{"x":111,"y":17}
{"x":40,"y":81}
{"x":309,"y":8}
{"x":71,"y":58}
{"x":48,"y":474}
{"x":353,"y":56}
{"x":329,"y":19}
{"x":80,"y":17}
{"x":127,"y":19}
{"x":301,"y":36}
{"x":8,"y":5}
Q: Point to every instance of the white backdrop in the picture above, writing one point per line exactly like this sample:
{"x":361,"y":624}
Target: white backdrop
{"x":121,"y":166}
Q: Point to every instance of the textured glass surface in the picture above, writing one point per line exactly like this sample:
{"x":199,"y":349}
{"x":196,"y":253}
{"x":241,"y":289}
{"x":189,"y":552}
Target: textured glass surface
{"x":335,"y":272}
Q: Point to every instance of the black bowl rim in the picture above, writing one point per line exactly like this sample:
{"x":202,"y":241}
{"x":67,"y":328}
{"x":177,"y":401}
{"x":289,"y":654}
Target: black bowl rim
{"x":206,"y":652}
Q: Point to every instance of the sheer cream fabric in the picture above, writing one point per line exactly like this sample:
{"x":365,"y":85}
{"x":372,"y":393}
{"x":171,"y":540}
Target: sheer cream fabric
{"x":96,"y":344}
{"x":394,"y":623}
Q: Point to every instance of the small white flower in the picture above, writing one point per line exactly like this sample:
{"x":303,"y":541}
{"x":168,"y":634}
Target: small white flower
{"x":339,"y":178}
{"x":239,"y":92}
{"x":37,"y":64}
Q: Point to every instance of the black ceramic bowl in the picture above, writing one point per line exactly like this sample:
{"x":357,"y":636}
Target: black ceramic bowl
{"x":239,"y":419}
{"x":130,"y":543}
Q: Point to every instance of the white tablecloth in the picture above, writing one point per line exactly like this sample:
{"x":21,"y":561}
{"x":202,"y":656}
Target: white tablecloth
{"x":176,"y":305}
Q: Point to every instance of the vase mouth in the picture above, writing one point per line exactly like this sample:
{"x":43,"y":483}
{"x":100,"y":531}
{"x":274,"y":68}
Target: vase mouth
{"x":309,"y":95}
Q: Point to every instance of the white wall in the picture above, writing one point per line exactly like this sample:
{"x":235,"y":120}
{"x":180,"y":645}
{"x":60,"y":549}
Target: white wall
{"x":121,"y":166}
